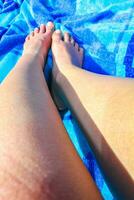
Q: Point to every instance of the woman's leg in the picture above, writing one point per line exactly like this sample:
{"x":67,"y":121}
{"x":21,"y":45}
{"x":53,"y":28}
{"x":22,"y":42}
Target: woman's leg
{"x":104,"y":107}
{"x":37,"y":159}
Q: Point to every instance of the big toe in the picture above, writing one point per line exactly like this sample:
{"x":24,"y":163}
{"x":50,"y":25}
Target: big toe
{"x":49,"y":27}
{"x":57,"y":36}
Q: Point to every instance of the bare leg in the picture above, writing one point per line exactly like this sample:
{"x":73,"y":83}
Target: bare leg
{"x":104,"y":107}
{"x":37,"y":159}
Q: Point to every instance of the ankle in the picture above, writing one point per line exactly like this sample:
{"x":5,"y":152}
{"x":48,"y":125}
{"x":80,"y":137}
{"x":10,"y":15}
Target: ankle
{"x":30,"y":60}
{"x":62,"y":68}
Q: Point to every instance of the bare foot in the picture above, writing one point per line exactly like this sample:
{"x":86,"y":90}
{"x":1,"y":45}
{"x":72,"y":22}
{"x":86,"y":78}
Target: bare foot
{"x":66,"y":54}
{"x":39,"y":41}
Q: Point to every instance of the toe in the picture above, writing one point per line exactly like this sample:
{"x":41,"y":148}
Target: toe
{"x":32,"y":34}
{"x":49,"y":27}
{"x":66,"y":37}
{"x":36,"y":30}
{"x":72,"y":41}
{"x":42,"y":28}
{"x":57,"y":36}
{"x":27,"y":38}
{"x":81,"y":50}
{"x":77,"y":46}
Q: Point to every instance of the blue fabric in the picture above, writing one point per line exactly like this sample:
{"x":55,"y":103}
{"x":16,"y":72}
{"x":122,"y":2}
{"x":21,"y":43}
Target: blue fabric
{"x":105,"y":30}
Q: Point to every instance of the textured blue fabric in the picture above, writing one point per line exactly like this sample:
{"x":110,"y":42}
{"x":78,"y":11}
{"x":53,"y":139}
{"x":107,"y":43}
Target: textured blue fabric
{"x":105,"y":30}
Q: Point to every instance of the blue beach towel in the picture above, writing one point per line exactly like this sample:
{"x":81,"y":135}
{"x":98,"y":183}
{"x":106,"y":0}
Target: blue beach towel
{"x":105,"y":30}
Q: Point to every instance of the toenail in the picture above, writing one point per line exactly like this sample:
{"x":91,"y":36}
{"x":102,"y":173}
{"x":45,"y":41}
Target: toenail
{"x":66,"y":33}
{"x":50,"y":24}
{"x":58,"y":31}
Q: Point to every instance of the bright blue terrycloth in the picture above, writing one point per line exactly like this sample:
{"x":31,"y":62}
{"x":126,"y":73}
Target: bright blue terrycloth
{"x":105,"y":30}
